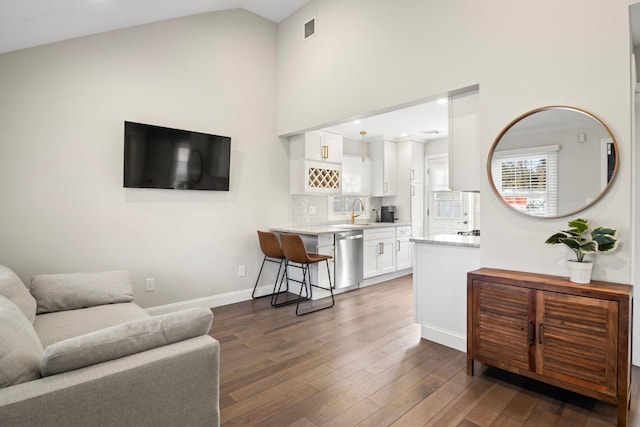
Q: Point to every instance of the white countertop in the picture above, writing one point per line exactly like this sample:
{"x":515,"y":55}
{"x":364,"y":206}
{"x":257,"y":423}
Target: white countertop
{"x":449,"y":240}
{"x":334,"y":228}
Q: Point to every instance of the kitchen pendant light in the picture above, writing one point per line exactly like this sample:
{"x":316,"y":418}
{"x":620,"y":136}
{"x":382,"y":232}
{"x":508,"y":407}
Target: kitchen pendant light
{"x":363,"y":148}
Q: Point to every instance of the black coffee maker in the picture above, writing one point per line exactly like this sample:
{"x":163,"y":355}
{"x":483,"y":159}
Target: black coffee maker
{"x":388,"y":214}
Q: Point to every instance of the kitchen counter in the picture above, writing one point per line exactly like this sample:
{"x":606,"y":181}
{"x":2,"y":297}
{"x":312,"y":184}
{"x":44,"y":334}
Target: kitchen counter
{"x":450,"y":240}
{"x":315,"y":230}
{"x":376,"y":267}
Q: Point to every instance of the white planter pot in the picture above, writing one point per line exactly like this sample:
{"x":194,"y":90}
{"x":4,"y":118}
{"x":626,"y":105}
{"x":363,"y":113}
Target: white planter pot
{"x":580,"y":271}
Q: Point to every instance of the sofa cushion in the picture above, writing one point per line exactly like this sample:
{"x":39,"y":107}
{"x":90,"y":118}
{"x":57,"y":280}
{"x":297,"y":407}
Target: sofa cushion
{"x":20,"y":349}
{"x":125,"y":339}
{"x":61,"y":325}
{"x":12,"y":288}
{"x":57,"y":292}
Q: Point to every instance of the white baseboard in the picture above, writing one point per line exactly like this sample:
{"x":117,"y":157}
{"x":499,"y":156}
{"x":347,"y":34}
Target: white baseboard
{"x":451,"y":339}
{"x":245,"y":295}
{"x":209,"y":302}
{"x":389,"y":276}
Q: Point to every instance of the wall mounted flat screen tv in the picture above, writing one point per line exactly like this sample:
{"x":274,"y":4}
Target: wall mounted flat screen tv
{"x":160,"y":157}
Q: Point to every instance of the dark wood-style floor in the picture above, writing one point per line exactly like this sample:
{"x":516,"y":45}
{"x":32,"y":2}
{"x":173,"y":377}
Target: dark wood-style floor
{"x":363,"y":363}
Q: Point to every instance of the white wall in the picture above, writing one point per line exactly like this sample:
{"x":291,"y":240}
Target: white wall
{"x":372,"y":55}
{"x":436,"y":146}
{"x":61,"y":153}
{"x":559,"y":54}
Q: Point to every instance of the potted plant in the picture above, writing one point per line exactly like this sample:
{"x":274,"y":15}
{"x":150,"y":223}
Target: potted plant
{"x":582,"y":241}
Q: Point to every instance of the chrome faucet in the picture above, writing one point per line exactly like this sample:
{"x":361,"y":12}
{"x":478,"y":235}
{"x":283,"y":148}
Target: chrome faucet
{"x":353,"y":210}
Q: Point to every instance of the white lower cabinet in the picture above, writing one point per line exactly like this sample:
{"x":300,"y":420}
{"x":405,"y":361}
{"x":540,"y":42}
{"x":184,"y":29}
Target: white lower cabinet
{"x":403,"y":248}
{"x":379,"y":251}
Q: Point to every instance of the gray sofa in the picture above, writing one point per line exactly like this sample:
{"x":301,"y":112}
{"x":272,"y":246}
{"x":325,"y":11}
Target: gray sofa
{"x":77,"y":351}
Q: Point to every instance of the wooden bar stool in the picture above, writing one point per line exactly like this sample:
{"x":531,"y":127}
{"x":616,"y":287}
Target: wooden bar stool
{"x":295,"y":252}
{"x":272,"y":253}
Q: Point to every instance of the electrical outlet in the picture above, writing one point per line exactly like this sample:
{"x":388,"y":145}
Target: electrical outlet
{"x":242,"y":271}
{"x":312,"y":210}
{"x":150,"y":284}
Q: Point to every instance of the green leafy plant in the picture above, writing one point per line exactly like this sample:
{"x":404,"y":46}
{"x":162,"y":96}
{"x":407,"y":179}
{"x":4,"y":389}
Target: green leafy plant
{"x":581,"y":241}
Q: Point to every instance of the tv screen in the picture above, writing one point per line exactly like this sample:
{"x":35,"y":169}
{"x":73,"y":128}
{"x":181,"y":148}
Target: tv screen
{"x":159,"y":157}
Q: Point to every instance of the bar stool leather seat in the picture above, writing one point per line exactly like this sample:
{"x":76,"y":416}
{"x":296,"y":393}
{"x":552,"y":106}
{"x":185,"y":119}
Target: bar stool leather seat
{"x":295,"y":252}
{"x":273,"y":253}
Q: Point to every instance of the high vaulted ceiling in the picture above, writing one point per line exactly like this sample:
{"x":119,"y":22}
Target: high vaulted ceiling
{"x":28,"y":23}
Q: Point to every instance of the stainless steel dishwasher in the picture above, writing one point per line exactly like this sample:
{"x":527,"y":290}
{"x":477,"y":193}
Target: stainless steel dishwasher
{"x":349,"y":256}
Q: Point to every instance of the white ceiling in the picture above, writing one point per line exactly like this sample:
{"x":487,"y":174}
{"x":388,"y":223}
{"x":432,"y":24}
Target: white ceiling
{"x":420,"y":120}
{"x":28,"y":23}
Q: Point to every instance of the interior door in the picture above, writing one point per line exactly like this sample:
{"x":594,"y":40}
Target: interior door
{"x":452,"y":214}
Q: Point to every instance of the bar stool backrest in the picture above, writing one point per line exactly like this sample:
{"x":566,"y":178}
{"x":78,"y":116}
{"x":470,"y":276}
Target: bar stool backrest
{"x":293,"y":248}
{"x":269,"y":244}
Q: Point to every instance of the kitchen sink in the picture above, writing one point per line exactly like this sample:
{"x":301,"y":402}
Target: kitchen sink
{"x":351,"y":225}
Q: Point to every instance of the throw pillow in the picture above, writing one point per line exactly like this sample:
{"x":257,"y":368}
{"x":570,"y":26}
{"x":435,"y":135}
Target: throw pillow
{"x":21,"y":350}
{"x":122,"y":340}
{"x":12,"y":288}
{"x":58,"y":292}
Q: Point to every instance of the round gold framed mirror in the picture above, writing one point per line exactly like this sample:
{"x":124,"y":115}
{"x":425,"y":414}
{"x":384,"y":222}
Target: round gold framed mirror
{"x":553,"y":162}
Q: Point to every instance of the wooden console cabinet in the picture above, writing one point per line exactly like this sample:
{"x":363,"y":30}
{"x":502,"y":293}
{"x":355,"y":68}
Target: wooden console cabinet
{"x":574,"y":336}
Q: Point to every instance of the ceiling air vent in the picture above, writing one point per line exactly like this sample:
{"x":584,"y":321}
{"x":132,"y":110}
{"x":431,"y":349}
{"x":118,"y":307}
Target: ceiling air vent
{"x":310,"y":28}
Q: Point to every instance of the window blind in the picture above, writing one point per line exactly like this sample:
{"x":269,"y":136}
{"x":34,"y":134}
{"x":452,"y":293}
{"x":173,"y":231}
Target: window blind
{"x":528,"y":179}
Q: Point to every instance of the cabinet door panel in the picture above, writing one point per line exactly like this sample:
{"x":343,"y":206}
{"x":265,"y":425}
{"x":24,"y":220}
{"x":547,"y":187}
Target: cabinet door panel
{"x":502,"y":325}
{"x":386,"y":260}
{"x":578,"y":340}
{"x":371,"y":258}
{"x":390,"y":168}
{"x":403,"y":253}
{"x":333,"y":150}
{"x":313,"y":145}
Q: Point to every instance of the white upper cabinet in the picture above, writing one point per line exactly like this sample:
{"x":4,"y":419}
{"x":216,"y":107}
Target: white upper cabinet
{"x":384,"y":171}
{"x":356,"y":176}
{"x":317,"y":145}
{"x":315,"y":165}
{"x":464,"y":170}
{"x":311,"y":177}
{"x":416,"y":174}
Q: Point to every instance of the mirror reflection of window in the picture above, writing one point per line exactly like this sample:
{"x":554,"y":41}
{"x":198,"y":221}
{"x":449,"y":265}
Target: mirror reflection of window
{"x":527,"y":179}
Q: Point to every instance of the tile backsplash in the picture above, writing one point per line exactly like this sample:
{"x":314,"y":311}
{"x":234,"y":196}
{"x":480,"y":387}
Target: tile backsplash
{"x":303,"y":207}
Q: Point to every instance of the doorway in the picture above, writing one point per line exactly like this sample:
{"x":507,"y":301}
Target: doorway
{"x":448,"y":212}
